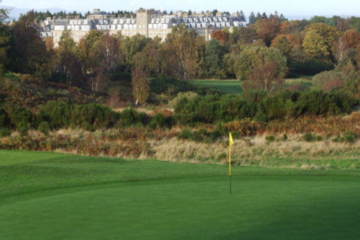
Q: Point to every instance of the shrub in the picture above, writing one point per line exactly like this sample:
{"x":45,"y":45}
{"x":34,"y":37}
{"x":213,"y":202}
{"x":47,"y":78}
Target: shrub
{"x":201,"y":135}
{"x":183,"y":95}
{"x":23,"y":128}
{"x":270,"y":138}
{"x":44,"y":127}
{"x":186,"y":134}
{"x":227,"y":108}
{"x":161,"y":121}
{"x":309,"y":137}
{"x":56,"y":113}
{"x":20,"y":118}
{"x":130,"y":117}
{"x":93,"y":116}
{"x":5,"y":132}
{"x":4,"y":119}
{"x":319,"y":103}
{"x":329,"y":80}
{"x":350,"y":137}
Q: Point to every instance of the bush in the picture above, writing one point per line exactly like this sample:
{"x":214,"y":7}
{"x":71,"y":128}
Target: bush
{"x":57,"y":114}
{"x":201,"y":135}
{"x":93,"y":116}
{"x":329,"y":80}
{"x":270,"y":139}
{"x":181,"y":96}
{"x":4,"y":119}
{"x":348,"y":137}
{"x":213,"y":108}
{"x":23,"y":128}
{"x":44,"y":127}
{"x":5,"y":132}
{"x":130,"y":117}
{"x":161,"y":121}
{"x":20,"y":118}
{"x":264,"y":108}
{"x":309,"y":137}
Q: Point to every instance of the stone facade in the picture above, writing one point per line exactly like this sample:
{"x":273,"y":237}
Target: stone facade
{"x":149,"y":23}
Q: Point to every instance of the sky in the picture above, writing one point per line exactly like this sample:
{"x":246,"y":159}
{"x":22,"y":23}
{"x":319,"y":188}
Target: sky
{"x":290,"y":8}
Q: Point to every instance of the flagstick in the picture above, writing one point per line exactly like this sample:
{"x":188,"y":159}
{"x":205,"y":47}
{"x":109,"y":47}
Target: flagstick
{"x":230,"y":171}
{"x":230,"y":179}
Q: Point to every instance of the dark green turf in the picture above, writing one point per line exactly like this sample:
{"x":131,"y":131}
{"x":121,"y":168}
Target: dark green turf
{"x":224,"y":86}
{"x":53,"y":196}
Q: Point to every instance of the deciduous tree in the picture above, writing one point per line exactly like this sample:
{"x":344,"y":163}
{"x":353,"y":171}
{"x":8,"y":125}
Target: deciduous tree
{"x":319,"y":41}
{"x":27,"y":51}
{"x":188,"y":49}
{"x":267,"y":29}
{"x":261,"y":68}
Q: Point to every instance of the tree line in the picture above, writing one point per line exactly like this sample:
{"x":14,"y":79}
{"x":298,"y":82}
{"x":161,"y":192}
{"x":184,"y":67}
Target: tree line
{"x":261,"y":54}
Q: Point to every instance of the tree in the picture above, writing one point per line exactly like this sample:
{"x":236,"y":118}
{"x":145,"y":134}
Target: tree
{"x":261,"y":68}
{"x":267,"y":29}
{"x":86,"y":46}
{"x":221,"y":36}
{"x":214,"y":59}
{"x":3,"y":14}
{"x":150,"y":59}
{"x":319,"y":41}
{"x":292,"y":27}
{"x":131,"y":46}
{"x":102,"y":57}
{"x":329,"y":80}
{"x":108,"y":57}
{"x":188,"y":48}
{"x":69,"y":65}
{"x":242,"y":16}
{"x":141,"y":86}
{"x":349,"y":41}
{"x":27,"y":52}
{"x":252,"y":18}
{"x":286,"y":43}
{"x":243,"y":35}
{"x":4,"y":40}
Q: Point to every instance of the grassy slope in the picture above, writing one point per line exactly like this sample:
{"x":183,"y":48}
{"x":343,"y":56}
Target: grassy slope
{"x":54,"y":196}
{"x":235,"y":86}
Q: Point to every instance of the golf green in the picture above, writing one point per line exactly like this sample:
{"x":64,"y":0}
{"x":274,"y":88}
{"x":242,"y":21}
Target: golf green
{"x":54,"y":196}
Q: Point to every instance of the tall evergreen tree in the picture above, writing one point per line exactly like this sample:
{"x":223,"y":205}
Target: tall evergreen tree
{"x":242,"y":16}
{"x":252,"y":18}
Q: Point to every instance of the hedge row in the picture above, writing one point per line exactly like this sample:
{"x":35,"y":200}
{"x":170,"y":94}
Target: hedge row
{"x":202,"y":109}
{"x":56,"y":115}
{"x":262,"y":107}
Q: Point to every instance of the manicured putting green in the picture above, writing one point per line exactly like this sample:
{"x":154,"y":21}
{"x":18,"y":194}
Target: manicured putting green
{"x":53,"y":196}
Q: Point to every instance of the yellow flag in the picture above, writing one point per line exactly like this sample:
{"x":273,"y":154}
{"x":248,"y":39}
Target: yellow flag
{"x":231,"y":143}
{"x":231,"y":140}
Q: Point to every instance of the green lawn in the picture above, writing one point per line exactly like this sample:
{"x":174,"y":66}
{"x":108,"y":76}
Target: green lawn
{"x":224,"y":86}
{"x":53,"y":196}
{"x":234,"y":86}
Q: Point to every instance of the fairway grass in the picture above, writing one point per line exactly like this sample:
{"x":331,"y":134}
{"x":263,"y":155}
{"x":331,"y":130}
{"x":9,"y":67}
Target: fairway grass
{"x":224,"y":86}
{"x":55,"y":196}
{"x":234,"y":86}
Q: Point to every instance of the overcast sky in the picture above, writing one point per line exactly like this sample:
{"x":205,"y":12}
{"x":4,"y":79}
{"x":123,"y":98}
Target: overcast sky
{"x":288,"y":7}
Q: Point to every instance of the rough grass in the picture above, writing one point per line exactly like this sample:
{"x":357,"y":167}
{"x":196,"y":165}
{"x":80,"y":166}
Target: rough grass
{"x":292,"y":153}
{"x":54,"y":196}
{"x":270,"y":149}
